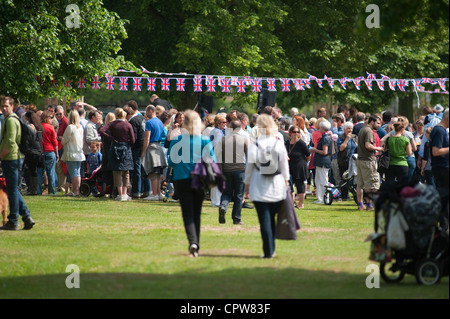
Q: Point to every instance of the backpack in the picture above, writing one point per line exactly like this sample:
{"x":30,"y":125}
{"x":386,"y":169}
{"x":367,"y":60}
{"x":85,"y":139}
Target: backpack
{"x":30,"y":144}
{"x":267,"y":161}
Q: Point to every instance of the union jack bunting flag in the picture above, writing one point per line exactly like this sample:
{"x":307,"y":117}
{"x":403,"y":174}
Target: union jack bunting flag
{"x":95,"y":83}
{"x":210,"y":84}
{"x":299,"y":85}
{"x":198,"y":83}
{"x":234,"y":80}
{"x":226,"y":85}
{"x":271,"y":84}
{"x":180,"y":85}
{"x":306,"y":82}
{"x":285,"y":85}
{"x":418,"y":85}
{"x":81,"y":83}
{"x":256,"y":84}
{"x":402,"y":83}
{"x":241,"y":86}
{"x":109,"y":82}
{"x":318,"y":81}
{"x":165,"y":84}
{"x":370,"y":77}
{"x":441,"y":82}
{"x":123,"y":83}
{"x":343,"y":82}
{"x":330,"y":82}
{"x":357,"y":82}
{"x":68,"y":84}
{"x":151,"y":84}
{"x":390,"y":82}
{"x":137,"y":84}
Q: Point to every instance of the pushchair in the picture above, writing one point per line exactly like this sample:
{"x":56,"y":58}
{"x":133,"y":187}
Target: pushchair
{"x":408,"y":238}
{"x":333,"y":192}
{"x":88,"y":184}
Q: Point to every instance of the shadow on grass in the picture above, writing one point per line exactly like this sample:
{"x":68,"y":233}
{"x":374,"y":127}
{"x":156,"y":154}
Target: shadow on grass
{"x":265,"y":282}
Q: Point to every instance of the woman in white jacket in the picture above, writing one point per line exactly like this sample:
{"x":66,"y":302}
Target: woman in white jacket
{"x":73,"y":155}
{"x":267,"y":184}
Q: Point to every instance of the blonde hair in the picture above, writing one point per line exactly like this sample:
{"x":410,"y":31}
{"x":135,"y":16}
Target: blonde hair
{"x":120,"y":114}
{"x":110,"y":117}
{"x":74,"y":118}
{"x":192,"y":123}
{"x":266,"y":125}
{"x":218,"y":119}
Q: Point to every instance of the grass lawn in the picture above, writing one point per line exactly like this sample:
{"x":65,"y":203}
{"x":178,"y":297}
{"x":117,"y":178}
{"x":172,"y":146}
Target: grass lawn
{"x":139,"y":250}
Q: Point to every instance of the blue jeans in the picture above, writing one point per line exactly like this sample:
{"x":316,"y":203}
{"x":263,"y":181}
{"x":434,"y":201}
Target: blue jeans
{"x":234,"y":191}
{"x":50,"y":163}
{"x":266,"y":215}
{"x":411,"y":165}
{"x":17,"y":205}
{"x":139,"y":182}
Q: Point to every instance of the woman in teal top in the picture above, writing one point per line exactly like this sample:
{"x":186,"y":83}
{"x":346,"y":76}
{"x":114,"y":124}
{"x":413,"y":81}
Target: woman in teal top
{"x":399,"y":148}
{"x":185,"y":151}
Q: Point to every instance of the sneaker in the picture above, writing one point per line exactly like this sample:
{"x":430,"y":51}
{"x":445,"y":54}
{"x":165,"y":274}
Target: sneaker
{"x":28,"y":223}
{"x":370,"y":208}
{"x":247,"y":205}
{"x":151,"y":198}
{"x":193,"y":250}
{"x":362,"y":207}
{"x":238,"y":223}
{"x":318,"y":201}
{"x":9,"y":226}
{"x":118,"y":198}
{"x":222,"y":212}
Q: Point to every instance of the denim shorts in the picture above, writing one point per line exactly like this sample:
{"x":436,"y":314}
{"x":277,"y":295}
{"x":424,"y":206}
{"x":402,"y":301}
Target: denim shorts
{"x":74,"y":168}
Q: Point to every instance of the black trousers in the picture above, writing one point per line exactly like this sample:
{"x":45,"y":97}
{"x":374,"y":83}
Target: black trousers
{"x":191,"y":201}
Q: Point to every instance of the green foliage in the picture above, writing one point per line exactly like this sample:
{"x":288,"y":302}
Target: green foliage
{"x":37,"y":43}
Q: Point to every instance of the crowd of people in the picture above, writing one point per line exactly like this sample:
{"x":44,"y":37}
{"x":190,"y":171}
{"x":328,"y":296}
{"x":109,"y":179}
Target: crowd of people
{"x":264,"y":157}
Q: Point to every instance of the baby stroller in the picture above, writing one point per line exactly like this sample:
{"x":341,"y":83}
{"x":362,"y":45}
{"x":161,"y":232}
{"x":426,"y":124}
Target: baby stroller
{"x":333,"y":192}
{"x":408,"y":238}
{"x":95,"y":180}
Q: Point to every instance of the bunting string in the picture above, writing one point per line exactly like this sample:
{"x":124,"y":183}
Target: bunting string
{"x":242,"y":84}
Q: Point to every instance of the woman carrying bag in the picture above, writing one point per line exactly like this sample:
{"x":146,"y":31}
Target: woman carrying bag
{"x":266,"y":180}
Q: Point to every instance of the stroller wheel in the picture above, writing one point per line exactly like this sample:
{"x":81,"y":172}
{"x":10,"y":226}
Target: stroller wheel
{"x":85,"y":189}
{"x":391,"y":272}
{"x":328,"y":197}
{"x":428,"y":272}
{"x":164,"y":199}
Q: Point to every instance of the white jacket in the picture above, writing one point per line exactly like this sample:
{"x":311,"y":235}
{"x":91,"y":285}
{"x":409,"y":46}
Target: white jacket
{"x":267,"y":188}
{"x":72,"y":143}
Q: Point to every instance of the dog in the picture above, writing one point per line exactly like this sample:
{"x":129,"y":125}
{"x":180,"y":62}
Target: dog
{"x":3,"y":201}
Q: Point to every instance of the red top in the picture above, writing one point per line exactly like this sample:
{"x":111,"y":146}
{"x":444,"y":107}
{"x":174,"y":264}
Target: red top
{"x":49,"y":142}
{"x":63,"y":124}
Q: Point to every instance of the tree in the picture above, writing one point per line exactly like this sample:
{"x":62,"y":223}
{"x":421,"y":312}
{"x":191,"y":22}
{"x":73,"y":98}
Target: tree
{"x":40,"y":40}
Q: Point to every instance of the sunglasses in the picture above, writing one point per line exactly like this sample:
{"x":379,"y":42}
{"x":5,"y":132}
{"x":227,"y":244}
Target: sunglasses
{"x":295,"y":132}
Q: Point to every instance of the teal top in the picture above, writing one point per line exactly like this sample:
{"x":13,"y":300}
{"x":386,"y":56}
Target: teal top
{"x":185,"y":151}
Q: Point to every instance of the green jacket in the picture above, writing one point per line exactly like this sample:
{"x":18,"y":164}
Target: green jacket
{"x":11,"y":133}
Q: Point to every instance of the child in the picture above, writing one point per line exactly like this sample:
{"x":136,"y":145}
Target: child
{"x":94,"y":161}
{"x":426,"y":160}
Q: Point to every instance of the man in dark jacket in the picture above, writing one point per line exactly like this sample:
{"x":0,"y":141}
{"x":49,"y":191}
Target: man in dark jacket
{"x":155,"y":100}
{"x":139,"y":186}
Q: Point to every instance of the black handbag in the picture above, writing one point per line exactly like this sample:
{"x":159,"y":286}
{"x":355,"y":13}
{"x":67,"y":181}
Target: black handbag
{"x":383,"y":160}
